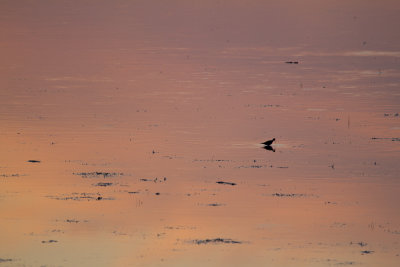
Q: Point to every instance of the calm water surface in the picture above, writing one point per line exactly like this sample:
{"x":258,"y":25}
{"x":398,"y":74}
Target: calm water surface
{"x":136,"y":110}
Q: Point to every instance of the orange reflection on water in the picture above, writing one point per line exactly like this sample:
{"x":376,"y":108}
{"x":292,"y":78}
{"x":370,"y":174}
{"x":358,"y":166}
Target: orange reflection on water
{"x":136,"y":110}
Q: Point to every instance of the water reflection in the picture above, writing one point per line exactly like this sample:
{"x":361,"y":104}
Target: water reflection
{"x":130,"y":134}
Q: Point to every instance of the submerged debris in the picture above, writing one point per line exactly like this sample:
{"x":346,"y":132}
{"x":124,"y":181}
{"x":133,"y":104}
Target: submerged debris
{"x":5,"y":260}
{"x":228,"y":183}
{"x":216,"y":241}
{"x":97,"y":174}
{"x":292,"y":62}
{"x":33,"y":161}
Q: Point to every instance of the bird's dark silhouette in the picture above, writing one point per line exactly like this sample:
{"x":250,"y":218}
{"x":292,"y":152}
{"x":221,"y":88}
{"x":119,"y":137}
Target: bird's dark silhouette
{"x":269,"y":142}
{"x":270,"y":148}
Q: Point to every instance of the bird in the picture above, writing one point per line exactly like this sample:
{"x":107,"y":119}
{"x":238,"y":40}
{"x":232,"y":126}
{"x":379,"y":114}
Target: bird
{"x":269,"y":142}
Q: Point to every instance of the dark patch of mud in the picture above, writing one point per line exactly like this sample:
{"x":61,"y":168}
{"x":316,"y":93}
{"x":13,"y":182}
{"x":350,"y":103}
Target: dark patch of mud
{"x":216,"y":241}
{"x":227,"y":183}
{"x":98,"y":174}
{"x":80,"y":197}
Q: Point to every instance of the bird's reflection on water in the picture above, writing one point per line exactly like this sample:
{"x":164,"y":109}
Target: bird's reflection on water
{"x":270,"y":148}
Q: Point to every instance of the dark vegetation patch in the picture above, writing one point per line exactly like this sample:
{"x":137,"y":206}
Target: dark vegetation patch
{"x":98,"y":174}
{"x":103,"y":184}
{"x":390,"y":231}
{"x":344,"y":263}
{"x":263,"y":106}
{"x":338,"y":225}
{"x":33,"y":161}
{"x":361,"y":244}
{"x":215,"y":204}
{"x":155,"y":180}
{"x":212,"y":160}
{"x":364,"y":252}
{"x":119,"y":233}
{"x":179,"y":227}
{"x":10,"y":175}
{"x":254,"y":166}
{"x":330,"y":203}
{"x":216,"y":241}
{"x":394,"y":139}
{"x":84,"y":163}
{"x":49,"y":241}
{"x":71,"y":221}
{"x":80,"y":197}
{"x":227,"y":183}
{"x":287,"y":195}
{"x":391,"y":114}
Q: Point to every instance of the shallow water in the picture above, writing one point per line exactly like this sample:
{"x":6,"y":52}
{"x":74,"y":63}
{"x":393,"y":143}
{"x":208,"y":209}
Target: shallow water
{"x":135,"y":111}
